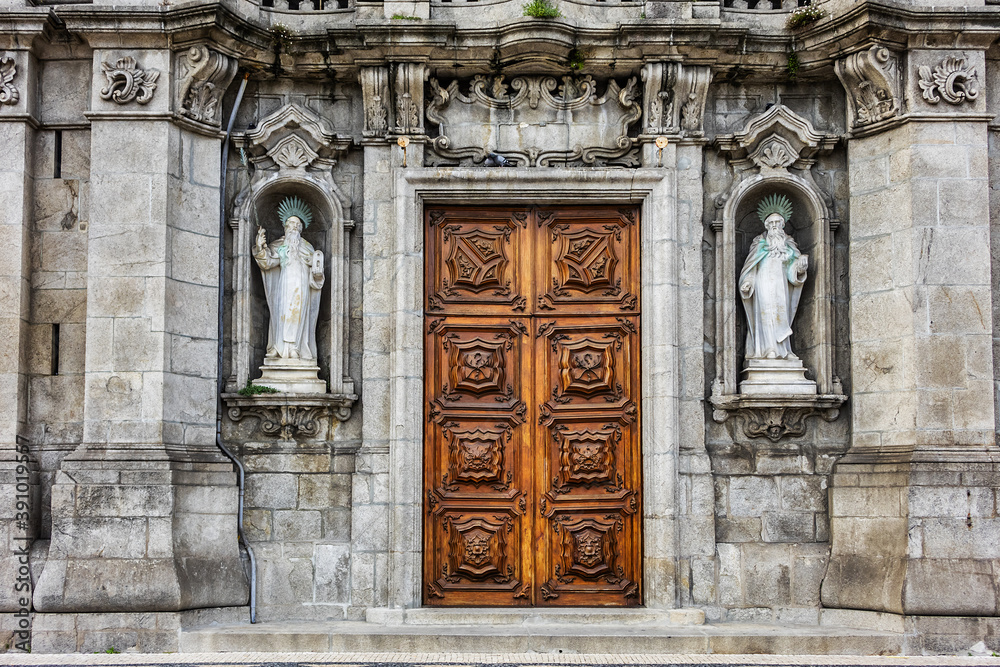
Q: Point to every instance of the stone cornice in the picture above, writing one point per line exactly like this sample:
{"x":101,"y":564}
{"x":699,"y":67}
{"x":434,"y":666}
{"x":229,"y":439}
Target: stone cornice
{"x":761,"y":48}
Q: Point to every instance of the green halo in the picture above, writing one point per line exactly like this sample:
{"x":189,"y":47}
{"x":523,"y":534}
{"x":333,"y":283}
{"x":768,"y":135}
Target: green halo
{"x":775,"y":204}
{"x":295,"y":206}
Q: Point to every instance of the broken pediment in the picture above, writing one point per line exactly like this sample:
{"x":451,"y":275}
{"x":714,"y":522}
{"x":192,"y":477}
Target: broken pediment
{"x":534,"y":121}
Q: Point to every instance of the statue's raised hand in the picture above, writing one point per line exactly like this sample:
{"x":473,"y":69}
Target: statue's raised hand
{"x":261,"y":242}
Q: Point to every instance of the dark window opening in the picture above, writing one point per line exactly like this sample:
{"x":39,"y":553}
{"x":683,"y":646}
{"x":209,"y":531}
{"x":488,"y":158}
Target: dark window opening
{"x":57,"y":158}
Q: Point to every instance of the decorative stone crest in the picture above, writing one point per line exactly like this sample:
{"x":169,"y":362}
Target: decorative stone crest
{"x":545,"y":121}
{"x":203,"y":75}
{"x":674,"y":99}
{"x":127,"y":81}
{"x":375,"y":95}
{"x":952,"y":80}
{"x":872,"y":81}
{"x":8,"y":92}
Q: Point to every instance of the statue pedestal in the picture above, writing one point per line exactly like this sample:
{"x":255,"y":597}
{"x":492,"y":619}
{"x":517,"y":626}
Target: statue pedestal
{"x":776,"y":376}
{"x":293,"y":376}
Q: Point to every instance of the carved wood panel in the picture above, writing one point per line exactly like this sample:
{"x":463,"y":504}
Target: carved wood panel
{"x":532,"y":469}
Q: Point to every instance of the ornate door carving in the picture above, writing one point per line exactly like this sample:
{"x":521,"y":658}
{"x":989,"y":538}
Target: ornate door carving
{"x":531,"y":458}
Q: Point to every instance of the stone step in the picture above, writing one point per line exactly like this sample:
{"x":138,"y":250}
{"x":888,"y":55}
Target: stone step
{"x":535,"y":616}
{"x":543,"y":637}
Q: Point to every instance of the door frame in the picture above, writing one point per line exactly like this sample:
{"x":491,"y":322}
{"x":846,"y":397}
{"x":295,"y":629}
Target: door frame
{"x":667,"y":310}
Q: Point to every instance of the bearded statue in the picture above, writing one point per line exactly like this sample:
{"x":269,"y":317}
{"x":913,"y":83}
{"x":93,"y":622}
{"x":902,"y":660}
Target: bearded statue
{"x":292,"y":271}
{"x":770,"y":287}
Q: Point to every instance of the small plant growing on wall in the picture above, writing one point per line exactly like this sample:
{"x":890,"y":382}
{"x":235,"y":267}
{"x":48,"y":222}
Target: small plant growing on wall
{"x":803,"y":16}
{"x":541,"y":9}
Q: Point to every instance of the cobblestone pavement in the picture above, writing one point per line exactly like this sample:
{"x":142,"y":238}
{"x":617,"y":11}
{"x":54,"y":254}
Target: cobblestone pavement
{"x":470,"y":660}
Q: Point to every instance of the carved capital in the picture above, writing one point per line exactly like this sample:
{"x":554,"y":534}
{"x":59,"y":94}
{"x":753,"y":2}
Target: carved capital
{"x":8,"y":92}
{"x":952,"y":80}
{"x":376,"y":99}
{"x":127,"y":81}
{"x":409,"y":98}
{"x":203,"y":75}
{"x":872,"y":81}
{"x":674,"y":98}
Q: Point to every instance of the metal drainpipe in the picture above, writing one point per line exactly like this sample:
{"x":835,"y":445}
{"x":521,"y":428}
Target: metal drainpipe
{"x":220,"y":383}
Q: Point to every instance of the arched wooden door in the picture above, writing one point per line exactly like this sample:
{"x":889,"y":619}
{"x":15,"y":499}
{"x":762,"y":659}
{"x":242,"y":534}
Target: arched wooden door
{"x":532,"y":471}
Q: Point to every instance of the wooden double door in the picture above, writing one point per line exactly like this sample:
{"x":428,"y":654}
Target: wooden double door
{"x":532,"y":473}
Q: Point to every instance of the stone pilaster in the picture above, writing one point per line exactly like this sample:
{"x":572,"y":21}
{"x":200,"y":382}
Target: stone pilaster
{"x":910,"y":511}
{"x":144,"y":509}
{"x":18,"y":478}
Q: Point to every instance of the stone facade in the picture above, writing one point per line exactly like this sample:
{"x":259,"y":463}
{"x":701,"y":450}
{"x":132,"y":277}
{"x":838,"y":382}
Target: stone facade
{"x":874,"y":501}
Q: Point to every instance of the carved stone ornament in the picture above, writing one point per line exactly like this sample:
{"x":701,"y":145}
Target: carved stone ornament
{"x":409,"y":92}
{"x":952,"y":80}
{"x":674,"y":99}
{"x":203,"y":75}
{"x":375,"y":96}
{"x":534,"y":121}
{"x":872,"y":81}
{"x":775,"y":418}
{"x":289,"y":418}
{"x":771,"y":144}
{"x":8,"y":93}
{"x":127,"y":81}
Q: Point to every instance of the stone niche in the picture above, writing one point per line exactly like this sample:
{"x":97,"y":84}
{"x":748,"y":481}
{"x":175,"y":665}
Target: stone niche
{"x":774,"y":154}
{"x":291,"y":152}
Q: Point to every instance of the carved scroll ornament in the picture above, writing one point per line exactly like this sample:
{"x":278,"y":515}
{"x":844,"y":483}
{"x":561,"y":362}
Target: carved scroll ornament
{"x":545,"y":121}
{"x":952,"y":80}
{"x":127,"y":81}
{"x":871,"y":79}
{"x":204,"y":76}
{"x":8,"y":93}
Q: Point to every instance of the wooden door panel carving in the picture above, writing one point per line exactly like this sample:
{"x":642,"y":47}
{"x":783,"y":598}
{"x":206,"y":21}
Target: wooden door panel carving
{"x":473,"y":261}
{"x":532,"y":469}
{"x":588,"y":261}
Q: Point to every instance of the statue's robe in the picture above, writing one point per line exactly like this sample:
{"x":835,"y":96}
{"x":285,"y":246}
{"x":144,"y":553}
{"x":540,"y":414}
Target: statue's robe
{"x":293,"y":297}
{"x":773,"y":299}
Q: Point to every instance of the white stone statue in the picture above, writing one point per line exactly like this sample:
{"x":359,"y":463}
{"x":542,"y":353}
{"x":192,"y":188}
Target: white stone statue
{"x":292,"y":271}
{"x":770,"y":286}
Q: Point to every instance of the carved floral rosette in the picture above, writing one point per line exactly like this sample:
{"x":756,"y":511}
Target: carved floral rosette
{"x":545,"y":121}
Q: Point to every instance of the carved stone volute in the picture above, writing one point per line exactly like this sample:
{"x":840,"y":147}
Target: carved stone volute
{"x":872,"y":81}
{"x":202,"y":78}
